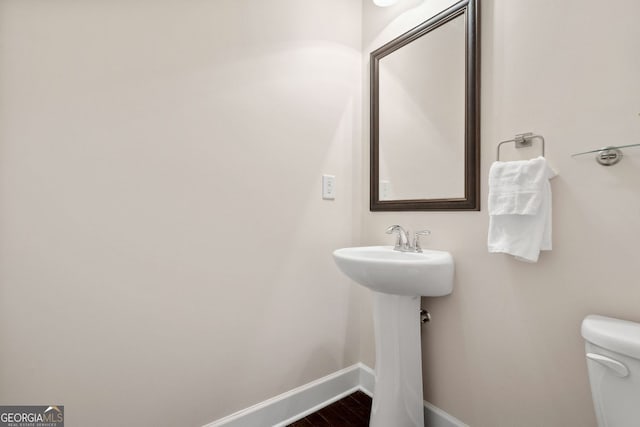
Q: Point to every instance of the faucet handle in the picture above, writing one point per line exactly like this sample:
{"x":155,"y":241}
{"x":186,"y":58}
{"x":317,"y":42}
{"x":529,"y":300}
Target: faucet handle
{"x":416,"y":239}
{"x":393,"y":228}
{"x":402,"y":240}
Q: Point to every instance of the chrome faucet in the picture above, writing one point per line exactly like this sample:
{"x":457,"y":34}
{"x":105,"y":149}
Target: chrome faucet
{"x":403,"y":242}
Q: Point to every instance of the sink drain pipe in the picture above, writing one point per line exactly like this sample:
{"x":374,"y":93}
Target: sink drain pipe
{"x":425,"y":316}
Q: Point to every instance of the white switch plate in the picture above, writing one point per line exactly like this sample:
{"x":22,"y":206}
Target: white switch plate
{"x":384,"y":189}
{"x":328,"y":187}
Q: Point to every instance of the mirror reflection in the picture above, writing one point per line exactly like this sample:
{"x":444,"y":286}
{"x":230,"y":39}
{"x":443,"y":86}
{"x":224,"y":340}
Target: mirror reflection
{"x":422,"y":117}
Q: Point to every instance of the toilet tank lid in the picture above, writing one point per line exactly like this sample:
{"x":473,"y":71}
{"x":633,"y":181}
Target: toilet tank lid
{"x":620,"y":336}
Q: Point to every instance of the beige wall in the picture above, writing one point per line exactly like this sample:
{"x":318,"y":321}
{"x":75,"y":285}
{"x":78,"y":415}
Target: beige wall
{"x":164,"y":249}
{"x":505,"y":348}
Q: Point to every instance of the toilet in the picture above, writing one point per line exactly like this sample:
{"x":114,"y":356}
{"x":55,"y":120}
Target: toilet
{"x":613,"y":359}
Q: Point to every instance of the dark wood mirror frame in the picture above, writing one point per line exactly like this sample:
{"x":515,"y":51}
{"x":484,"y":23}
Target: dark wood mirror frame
{"x":471,"y":200}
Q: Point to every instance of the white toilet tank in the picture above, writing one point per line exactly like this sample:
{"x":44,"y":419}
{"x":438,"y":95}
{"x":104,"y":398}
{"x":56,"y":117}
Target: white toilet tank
{"x":613,"y":359}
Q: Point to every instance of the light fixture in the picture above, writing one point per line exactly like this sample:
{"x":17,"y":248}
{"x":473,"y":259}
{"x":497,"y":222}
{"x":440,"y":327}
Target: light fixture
{"x":384,"y":3}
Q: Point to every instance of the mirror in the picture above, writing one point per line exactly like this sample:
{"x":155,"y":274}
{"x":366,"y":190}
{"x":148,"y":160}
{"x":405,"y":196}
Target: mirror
{"x":425,"y":94}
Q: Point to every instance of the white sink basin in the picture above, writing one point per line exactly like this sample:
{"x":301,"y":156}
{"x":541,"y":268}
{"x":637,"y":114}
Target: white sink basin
{"x":382,"y":269}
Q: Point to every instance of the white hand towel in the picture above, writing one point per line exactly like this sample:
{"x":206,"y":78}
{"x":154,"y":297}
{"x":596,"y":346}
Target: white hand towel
{"x":520,"y":208}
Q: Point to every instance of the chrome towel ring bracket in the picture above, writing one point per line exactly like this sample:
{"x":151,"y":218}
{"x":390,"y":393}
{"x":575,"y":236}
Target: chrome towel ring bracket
{"x":522,"y":140}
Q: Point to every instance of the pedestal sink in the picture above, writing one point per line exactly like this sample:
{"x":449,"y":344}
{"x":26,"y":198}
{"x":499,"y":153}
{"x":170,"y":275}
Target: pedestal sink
{"x":398,"y":280}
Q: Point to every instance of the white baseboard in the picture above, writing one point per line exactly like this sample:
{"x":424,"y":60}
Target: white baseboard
{"x":295,"y":404}
{"x":436,"y":417}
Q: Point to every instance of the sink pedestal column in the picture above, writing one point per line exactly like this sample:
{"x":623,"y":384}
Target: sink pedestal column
{"x":397,"y":397}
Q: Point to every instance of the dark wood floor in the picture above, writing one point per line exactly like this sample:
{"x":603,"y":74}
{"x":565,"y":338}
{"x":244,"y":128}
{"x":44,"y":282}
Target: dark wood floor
{"x":351,"y":411}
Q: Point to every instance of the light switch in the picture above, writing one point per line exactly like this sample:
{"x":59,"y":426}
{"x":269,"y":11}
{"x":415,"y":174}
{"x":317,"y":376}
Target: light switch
{"x":328,"y":187}
{"x":384,"y":190}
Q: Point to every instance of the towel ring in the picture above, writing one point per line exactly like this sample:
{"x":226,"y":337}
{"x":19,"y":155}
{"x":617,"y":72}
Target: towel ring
{"x":522,"y":140}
